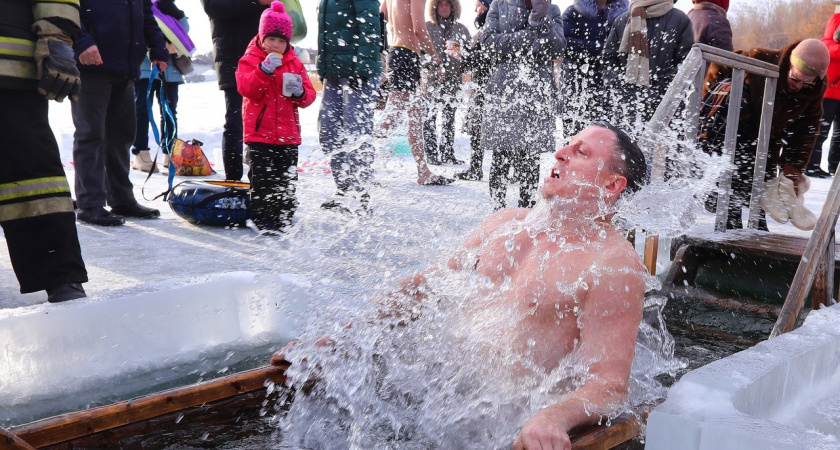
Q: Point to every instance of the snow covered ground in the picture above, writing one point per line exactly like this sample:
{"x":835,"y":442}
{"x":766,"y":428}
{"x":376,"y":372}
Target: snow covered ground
{"x":158,"y":266}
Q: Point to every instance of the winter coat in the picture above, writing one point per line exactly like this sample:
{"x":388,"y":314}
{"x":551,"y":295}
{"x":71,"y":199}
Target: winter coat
{"x":350,"y":37}
{"x":833,"y":75}
{"x":122,"y":31}
{"x":20,"y":72}
{"x":670,"y":39}
{"x":232,"y":23}
{"x":171,"y":73}
{"x":520,"y":95}
{"x":267,"y":115}
{"x":442,"y":30}
{"x":796,"y":115}
{"x":710,"y":26}
{"x":586,"y":28}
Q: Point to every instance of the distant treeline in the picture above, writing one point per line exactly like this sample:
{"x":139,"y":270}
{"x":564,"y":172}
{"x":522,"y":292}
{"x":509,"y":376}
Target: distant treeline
{"x":777,"y":23}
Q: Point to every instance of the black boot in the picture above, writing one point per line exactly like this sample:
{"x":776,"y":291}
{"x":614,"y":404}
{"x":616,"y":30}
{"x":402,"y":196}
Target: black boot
{"x":99,"y":216}
{"x":136,"y":210}
{"x":64,"y":292}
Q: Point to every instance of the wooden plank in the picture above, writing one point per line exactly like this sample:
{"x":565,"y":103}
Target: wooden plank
{"x":775,"y":246}
{"x":9,"y":441}
{"x":760,"y":168}
{"x":75,"y":425}
{"x":651,"y":251}
{"x":621,"y":430}
{"x":806,"y":271}
{"x":735,"y":59}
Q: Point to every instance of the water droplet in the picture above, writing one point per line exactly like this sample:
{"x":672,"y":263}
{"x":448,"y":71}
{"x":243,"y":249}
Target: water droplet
{"x":342,"y":42}
{"x":602,"y":234}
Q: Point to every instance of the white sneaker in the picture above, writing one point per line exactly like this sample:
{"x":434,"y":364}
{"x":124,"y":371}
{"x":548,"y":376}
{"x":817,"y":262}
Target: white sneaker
{"x":143,"y":162}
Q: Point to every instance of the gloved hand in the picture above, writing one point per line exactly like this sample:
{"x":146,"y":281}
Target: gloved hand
{"x":539,"y":9}
{"x":271,"y":62}
{"x":58,"y":75}
{"x":293,"y":84}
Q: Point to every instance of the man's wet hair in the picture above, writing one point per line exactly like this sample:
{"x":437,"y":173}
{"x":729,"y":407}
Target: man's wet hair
{"x":632,"y":164}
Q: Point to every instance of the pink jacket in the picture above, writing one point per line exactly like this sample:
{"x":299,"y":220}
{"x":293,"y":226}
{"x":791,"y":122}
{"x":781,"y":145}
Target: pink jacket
{"x":268,"y":116}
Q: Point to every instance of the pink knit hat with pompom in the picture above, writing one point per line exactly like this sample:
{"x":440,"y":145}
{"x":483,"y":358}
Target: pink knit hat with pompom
{"x":275,"y":22}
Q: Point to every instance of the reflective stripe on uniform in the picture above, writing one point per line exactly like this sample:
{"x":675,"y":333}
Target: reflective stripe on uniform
{"x":19,"y":69}
{"x":17,"y":47}
{"x":68,"y":9}
{"x":33,"y":187}
{"x":35,"y":208}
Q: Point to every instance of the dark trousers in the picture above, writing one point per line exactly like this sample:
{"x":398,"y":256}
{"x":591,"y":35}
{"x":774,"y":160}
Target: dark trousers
{"x":345,"y":123}
{"x":442,"y":150}
{"x":742,"y":182}
{"x":475,"y":120}
{"x":526,"y":169}
{"x":232,"y":135}
{"x":273,"y":181}
{"x":105,"y":129}
{"x":831,"y":115}
{"x":170,"y":124}
{"x":40,"y":227}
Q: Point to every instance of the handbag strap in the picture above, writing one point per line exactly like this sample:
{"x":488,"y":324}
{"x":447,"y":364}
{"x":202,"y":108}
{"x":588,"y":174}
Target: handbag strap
{"x":167,"y":137}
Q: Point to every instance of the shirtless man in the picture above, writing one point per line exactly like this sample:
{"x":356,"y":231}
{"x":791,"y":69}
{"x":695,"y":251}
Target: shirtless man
{"x":601,"y":277}
{"x":410,"y":39}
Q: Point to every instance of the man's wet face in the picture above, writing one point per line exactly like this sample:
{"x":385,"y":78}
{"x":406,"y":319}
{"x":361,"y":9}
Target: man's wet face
{"x":582,"y":166}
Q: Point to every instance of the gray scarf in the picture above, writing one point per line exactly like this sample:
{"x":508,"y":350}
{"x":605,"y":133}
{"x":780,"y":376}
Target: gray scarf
{"x":634,"y":41}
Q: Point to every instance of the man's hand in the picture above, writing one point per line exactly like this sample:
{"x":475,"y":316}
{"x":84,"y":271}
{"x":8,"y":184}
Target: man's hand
{"x":539,"y":10}
{"x":265,"y":2}
{"x":162,"y":65}
{"x":542,"y":432}
{"x":795,"y":175}
{"x":58,"y":76}
{"x":91,"y":57}
{"x":271,"y":62}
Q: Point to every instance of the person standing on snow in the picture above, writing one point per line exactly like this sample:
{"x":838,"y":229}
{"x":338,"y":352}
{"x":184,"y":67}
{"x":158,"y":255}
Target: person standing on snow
{"x":449,"y":36}
{"x":586,"y":25}
{"x":478,"y":63}
{"x":232,"y":24}
{"x":274,"y":84}
{"x":831,"y":102}
{"x":351,"y":38}
{"x":710,"y":25}
{"x":115,"y":38}
{"x":641,"y":56}
{"x":36,"y":211}
{"x":523,"y":37}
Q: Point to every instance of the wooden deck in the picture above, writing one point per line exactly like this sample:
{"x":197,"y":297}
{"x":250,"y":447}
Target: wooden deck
{"x":690,"y":252}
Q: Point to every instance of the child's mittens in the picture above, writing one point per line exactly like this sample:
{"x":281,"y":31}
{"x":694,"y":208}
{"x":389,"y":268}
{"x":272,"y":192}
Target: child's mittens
{"x":271,"y":62}
{"x":293,"y":84}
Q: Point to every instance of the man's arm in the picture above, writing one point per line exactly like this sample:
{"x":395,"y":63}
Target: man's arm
{"x":418,"y":24}
{"x":609,"y":321}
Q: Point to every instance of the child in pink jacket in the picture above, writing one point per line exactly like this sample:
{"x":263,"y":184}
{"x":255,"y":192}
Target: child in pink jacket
{"x":273,"y":84}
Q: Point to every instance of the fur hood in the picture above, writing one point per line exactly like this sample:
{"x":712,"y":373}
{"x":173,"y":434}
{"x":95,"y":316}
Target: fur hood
{"x":431,"y":10}
{"x":588,"y":8}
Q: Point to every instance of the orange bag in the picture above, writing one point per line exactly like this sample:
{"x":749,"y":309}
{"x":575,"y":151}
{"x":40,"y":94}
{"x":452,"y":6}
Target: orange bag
{"x":187,"y":159}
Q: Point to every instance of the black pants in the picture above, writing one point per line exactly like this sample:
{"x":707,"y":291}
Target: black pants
{"x":831,"y":115}
{"x":273,"y":181}
{"x":36,"y":212}
{"x":105,"y":130}
{"x":232,"y":136}
{"x":475,"y":123}
{"x":526,"y":169}
{"x":442,"y":150}
{"x":742,"y":183}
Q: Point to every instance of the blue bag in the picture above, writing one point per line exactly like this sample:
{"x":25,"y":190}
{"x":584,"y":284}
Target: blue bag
{"x":206,"y":202}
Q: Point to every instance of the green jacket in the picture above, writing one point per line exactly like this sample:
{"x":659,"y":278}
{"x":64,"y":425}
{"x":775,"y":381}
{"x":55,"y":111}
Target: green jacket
{"x":350,"y":38}
{"x":57,"y":20}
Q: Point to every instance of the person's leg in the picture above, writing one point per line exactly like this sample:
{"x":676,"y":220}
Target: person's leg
{"x":171,"y":124}
{"x":358,"y":125}
{"x":446,"y":151}
{"x":331,"y":130}
{"x":813,"y":167}
{"x":499,"y":168}
{"x":119,"y":133}
{"x":89,"y":143}
{"x":475,"y":172}
{"x":141,"y":138}
{"x":273,"y":179}
{"x":833,"y":107}
{"x":432,"y":107}
{"x":40,"y":228}
{"x":232,"y":136}
{"x":527,"y":166}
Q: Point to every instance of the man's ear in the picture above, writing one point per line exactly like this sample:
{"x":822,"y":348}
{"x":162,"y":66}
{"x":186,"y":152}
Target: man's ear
{"x":615,"y":183}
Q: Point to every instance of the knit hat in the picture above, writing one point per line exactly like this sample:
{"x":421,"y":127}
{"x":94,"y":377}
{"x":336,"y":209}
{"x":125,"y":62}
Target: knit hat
{"x":275,"y":22}
{"x":722,"y":3}
{"x":485,"y":2}
{"x":811,"y":56}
